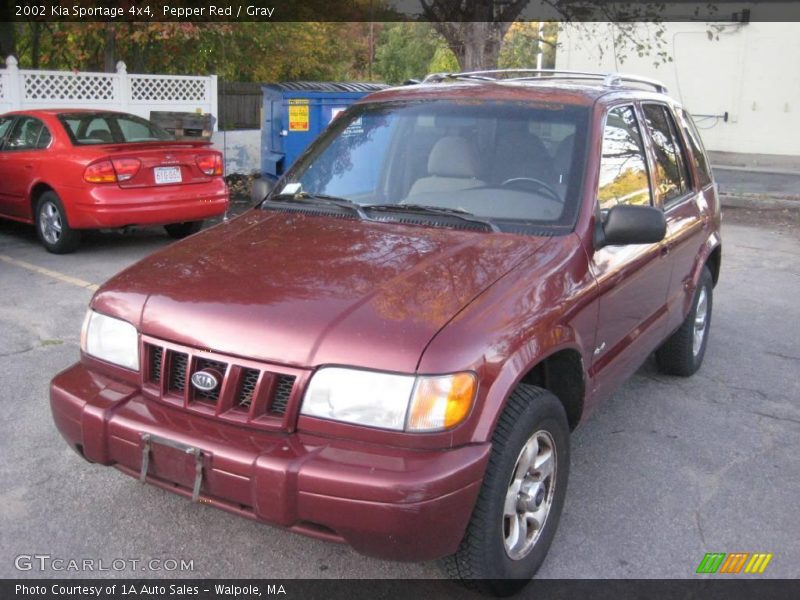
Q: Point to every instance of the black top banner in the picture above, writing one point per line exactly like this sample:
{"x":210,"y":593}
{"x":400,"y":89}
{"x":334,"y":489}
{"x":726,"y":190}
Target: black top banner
{"x":398,"y":10}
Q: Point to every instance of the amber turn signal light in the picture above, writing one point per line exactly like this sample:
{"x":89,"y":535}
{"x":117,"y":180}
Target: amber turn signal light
{"x":441,"y":402}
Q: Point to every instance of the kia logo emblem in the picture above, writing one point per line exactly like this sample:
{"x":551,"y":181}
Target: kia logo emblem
{"x":205,"y":381}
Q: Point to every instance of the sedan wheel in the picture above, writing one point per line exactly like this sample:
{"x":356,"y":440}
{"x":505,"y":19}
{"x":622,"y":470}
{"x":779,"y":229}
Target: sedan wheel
{"x":50,"y":222}
{"x":52,"y":226}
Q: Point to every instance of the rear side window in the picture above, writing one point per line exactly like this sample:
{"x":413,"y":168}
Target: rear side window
{"x":623,"y":167}
{"x":26,"y":134}
{"x":44,"y":138}
{"x":698,"y":152}
{"x":672,"y":177}
{"x":111,"y":128}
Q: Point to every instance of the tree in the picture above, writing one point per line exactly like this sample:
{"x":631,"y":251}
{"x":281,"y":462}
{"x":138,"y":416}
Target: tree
{"x":8,"y":44}
{"x":475,"y":30}
{"x":523,"y":43}
{"x":405,"y":51}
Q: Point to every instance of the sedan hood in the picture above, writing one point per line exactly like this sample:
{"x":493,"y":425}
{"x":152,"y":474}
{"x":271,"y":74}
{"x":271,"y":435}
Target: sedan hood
{"x":306,"y":290}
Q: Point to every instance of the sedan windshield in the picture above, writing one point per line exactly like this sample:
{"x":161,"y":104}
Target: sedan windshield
{"x":512,"y":163}
{"x":111,"y":128}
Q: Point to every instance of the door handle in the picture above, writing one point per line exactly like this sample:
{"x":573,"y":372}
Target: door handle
{"x":28,"y":166}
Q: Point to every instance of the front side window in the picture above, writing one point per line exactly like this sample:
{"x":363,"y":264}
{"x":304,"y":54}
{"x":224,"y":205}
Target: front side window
{"x":672,"y":178}
{"x":5,"y":125}
{"x":511,"y":162}
{"x":110,"y":128}
{"x":623,"y":166}
{"x":26,"y":134}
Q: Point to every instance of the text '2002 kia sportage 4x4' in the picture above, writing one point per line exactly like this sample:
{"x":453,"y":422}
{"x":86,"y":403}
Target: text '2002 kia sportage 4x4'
{"x":391,"y":349}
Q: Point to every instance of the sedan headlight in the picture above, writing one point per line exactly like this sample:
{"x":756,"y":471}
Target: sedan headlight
{"x":111,"y":340}
{"x":389,"y":401}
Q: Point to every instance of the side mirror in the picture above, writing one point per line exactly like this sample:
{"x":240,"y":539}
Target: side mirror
{"x":260,"y":189}
{"x":628,"y":224}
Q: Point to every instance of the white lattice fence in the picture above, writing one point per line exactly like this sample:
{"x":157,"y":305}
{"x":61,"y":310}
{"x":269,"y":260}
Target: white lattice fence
{"x":155,"y":88}
{"x":138,"y":94}
{"x":55,"y":86}
{"x":5,"y":101}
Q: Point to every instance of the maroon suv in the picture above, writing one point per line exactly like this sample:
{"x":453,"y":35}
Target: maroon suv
{"x":392,"y":348}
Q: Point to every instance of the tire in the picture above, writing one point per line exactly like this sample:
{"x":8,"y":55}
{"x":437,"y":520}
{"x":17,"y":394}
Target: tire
{"x":178,"y":231}
{"x":682,"y":353}
{"x":489,"y":559}
{"x":52,"y":227}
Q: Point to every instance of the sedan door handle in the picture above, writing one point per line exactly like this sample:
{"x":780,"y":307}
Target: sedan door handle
{"x":28,"y":166}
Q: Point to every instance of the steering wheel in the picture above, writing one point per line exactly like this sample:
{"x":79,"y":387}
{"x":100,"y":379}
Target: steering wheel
{"x":538,"y":184}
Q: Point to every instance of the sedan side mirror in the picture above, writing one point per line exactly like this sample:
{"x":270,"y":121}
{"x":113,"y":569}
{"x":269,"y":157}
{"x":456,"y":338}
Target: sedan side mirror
{"x":260,"y":189}
{"x":628,"y":224}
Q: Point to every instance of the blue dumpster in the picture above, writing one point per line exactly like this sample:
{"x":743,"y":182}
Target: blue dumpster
{"x":296,"y":112}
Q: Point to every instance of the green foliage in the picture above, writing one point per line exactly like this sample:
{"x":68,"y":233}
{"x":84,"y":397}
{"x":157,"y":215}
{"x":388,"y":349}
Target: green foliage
{"x":248,"y":51}
{"x":404,"y":51}
{"x":522,"y":43}
{"x":444,"y":61}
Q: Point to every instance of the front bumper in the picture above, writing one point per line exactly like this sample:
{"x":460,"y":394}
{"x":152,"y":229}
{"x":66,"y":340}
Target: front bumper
{"x":387,"y":502}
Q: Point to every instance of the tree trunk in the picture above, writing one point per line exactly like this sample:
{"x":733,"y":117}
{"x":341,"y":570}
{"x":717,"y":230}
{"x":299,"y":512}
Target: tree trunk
{"x":36,"y":37}
{"x":8,"y":42}
{"x":476,"y":44}
{"x":475,"y":29}
{"x":110,"y":49}
{"x":479,"y":47}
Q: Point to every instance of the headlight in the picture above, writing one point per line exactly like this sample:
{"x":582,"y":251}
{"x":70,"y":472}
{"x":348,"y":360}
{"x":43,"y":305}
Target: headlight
{"x":111,"y":340}
{"x":389,"y":401}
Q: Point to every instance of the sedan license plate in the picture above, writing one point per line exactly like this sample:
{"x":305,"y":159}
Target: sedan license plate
{"x":168,"y":175}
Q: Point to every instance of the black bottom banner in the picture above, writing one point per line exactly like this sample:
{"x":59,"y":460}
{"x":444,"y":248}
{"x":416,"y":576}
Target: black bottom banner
{"x":702,"y":588}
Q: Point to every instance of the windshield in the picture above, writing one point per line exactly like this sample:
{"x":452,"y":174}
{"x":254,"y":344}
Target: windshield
{"x":111,"y":128}
{"x":514,"y":163}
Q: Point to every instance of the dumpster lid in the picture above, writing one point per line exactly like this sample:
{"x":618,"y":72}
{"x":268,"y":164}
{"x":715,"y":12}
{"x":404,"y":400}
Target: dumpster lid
{"x":326,"y":86}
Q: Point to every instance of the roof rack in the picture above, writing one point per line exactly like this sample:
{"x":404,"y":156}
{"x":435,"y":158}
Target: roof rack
{"x":607,"y":79}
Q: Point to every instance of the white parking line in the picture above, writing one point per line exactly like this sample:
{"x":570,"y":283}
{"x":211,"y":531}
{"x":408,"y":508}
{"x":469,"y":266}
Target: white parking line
{"x":48,"y":273}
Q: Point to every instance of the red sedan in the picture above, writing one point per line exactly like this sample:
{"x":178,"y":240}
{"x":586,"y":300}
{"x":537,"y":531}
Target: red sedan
{"x":70,"y":170}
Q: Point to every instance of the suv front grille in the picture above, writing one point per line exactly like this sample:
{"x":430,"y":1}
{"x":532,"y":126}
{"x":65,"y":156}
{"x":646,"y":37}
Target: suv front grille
{"x":282,"y":392}
{"x":248,"y":387}
{"x":156,"y":358}
{"x":177,"y":371}
{"x":244,"y":393}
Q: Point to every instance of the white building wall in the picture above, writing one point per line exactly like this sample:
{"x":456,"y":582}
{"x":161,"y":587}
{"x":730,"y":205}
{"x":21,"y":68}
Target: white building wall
{"x":752,"y":72}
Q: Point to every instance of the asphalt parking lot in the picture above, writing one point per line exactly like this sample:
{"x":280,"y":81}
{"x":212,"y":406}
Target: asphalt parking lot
{"x":665,"y":471}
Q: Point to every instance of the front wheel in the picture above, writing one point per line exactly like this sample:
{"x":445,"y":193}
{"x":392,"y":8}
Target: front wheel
{"x":520,"y":502}
{"x":52,"y":227}
{"x":178,"y":231}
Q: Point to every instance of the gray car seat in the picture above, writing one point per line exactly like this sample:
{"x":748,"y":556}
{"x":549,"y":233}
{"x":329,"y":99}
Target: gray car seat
{"x":452,"y":166}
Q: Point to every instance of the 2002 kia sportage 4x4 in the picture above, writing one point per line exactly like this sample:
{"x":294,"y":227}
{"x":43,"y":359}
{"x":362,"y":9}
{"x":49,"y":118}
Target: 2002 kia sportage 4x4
{"x":392,"y":348}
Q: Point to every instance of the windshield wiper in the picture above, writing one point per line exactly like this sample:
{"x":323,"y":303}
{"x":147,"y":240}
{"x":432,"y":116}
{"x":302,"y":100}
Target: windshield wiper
{"x":325,"y":200}
{"x":434,"y":210}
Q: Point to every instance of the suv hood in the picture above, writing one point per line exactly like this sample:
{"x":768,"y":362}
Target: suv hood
{"x":307,"y":290}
